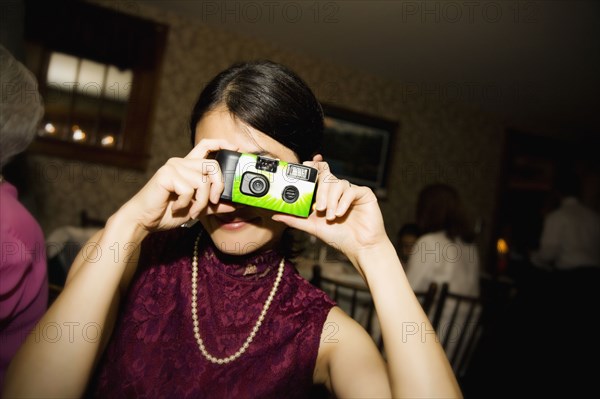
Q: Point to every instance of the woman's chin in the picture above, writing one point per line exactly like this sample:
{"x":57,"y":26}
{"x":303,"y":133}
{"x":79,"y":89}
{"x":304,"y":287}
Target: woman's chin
{"x":242,"y":234}
{"x":241,"y":240}
{"x":238,"y":247}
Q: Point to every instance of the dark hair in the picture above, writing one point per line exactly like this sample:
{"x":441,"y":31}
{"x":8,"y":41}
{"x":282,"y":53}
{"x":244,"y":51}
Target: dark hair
{"x":410,"y":229}
{"x":270,"y":98}
{"x":439,"y":209}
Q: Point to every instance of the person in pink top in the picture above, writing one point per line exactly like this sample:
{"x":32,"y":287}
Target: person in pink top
{"x":23,"y":273}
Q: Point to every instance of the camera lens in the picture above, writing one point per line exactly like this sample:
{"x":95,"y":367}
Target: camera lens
{"x":254,"y":184}
{"x":257,"y":185}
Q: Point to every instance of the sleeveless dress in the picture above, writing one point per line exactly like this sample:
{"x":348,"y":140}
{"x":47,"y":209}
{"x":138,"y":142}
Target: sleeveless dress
{"x":153,"y":352}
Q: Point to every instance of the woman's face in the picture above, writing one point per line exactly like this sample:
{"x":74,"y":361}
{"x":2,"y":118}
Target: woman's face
{"x":237,"y":229}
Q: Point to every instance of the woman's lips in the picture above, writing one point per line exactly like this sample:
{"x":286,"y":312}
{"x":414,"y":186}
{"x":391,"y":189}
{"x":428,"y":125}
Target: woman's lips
{"x":235,"y":223}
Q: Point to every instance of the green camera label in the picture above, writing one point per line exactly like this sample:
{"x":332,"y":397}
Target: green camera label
{"x":279,"y":191}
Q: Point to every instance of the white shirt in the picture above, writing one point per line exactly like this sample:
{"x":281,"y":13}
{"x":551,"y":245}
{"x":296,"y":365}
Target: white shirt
{"x":570,"y":238}
{"x":435,"y":258}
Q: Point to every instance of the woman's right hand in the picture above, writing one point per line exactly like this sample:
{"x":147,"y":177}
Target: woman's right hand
{"x":180,"y":190}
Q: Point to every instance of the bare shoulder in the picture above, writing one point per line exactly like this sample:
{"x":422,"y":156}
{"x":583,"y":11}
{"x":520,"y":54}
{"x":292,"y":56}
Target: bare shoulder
{"x":348,"y":362}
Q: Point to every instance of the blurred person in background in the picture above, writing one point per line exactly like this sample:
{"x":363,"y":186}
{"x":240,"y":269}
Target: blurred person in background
{"x":23,"y":273}
{"x":445,"y":252}
{"x":570,"y":237}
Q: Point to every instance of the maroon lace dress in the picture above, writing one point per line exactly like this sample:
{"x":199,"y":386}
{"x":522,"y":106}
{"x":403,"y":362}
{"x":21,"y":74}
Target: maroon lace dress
{"x":153,"y":352}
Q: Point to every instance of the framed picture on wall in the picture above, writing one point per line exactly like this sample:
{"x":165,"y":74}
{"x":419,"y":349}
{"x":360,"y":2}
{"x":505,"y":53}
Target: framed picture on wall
{"x":357,"y":147}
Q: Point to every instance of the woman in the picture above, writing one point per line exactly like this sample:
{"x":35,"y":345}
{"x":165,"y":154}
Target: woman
{"x":445,"y":252}
{"x":258,"y":330}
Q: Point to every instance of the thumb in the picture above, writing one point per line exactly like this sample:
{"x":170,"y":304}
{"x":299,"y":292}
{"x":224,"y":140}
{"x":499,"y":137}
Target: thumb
{"x":291,"y":221}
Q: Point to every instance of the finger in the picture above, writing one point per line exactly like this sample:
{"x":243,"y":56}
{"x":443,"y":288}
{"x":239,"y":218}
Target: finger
{"x":204,"y":175}
{"x":346,"y":201}
{"x":200,"y":203}
{"x":169,"y":179}
{"x":320,"y":203}
{"x":221,"y":207}
{"x":184,"y":192}
{"x":321,"y":197}
{"x":193,"y":177}
{"x":205,"y":166}
{"x":294,"y":222}
{"x":206,"y":146}
{"x":217,"y":184}
{"x":212,"y":170}
{"x":184,"y":165}
{"x":324,"y":181}
{"x":336,"y":191}
{"x":317,"y":163}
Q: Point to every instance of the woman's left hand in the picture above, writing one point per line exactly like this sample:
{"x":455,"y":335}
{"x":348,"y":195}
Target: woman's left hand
{"x":345,"y":216}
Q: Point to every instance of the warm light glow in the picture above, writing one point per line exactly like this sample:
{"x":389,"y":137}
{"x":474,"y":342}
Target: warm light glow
{"x":49,"y":128}
{"x":78,"y":135}
{"x":502,"y":246}
{"x":108,"y":141}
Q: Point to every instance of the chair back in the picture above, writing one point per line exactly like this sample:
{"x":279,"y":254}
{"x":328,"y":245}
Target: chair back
{"x":427,"y":298}
{"x":354,"y":299}
{"x":457,"y":321}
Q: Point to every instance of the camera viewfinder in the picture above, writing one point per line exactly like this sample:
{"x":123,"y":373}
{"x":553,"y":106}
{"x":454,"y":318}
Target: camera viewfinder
{"x":267,"y":164}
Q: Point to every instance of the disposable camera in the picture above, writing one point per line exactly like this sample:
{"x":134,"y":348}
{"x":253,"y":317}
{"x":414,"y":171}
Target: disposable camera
{"x":267,"y":183}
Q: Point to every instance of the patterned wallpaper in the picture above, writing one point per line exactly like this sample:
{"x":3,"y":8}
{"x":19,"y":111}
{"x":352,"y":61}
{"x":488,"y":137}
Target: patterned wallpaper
{"x":437,"y":139}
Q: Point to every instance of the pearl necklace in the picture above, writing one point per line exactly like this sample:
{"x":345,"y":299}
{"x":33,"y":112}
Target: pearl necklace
{"x":244,"y":347}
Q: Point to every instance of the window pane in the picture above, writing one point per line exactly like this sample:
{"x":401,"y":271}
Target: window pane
{"x":62,"y":69}
{"x":118,"y":84}
{"x":91,"y":78}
